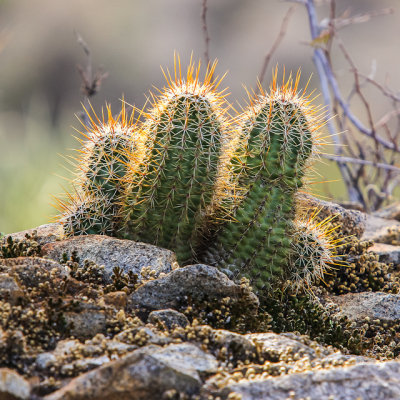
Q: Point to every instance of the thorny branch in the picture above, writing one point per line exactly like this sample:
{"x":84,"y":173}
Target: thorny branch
{"x":382,"y":141}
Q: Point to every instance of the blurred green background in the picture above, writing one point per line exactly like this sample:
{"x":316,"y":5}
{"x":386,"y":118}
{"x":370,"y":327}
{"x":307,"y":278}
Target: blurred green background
{"x":40,"y":87}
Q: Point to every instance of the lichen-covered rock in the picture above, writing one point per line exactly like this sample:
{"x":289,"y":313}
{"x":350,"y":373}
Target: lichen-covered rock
{"x":274,"y":347}
{"x":387,"y":253}
{"x":87,"y":321}
{"x":43,"y":234}
{"x":197,"y":282}
{"x":112,"y":252}
{"x":392,"y":211}
{"x":71,"y":357}
{"x":146,"y":373}
{"x":233,"y":347}
{"x":33,"y":271}
{"x":366,"y":381}
{"x":168,"y":318}
{"x":351,"y":222}
{"x":381,"y":230}
{"x":373,"y":305}
{"x":9,"y":289}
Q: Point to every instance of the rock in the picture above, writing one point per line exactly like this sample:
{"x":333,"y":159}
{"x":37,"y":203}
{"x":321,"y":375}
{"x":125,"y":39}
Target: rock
{"x":116,"y":299}
{"x":86,"y":322}
{"x":392,"y":211}
{"x":143,"y":335}
{"x":146,"y":373}
{"x":112,"y":252}
{"x":72,"y":356}
{"x":233,"y":346}
{"x":387,"y":253}
{"x":44,"y":233}
{"x":275,"y":348}
{"x":32,"y":271}
{"x":381,"y":230}
{"x":13,"y":386}
{"x":168,"y":318}
{"x":198,"y":282}
{"x":366,"y":381}
{"x":352,"y":222}
{"x":374,"y":305}
{"x":10,"y":291}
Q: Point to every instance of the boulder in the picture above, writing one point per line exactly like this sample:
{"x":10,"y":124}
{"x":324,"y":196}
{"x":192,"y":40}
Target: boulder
{"x":146,"y":373}
{"x":112,"y":252}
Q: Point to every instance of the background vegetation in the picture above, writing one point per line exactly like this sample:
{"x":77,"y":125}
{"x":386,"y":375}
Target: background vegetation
{"x":40,"y":86}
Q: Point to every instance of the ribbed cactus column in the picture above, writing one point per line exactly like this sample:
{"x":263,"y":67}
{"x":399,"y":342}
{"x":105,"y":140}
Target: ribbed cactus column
{"x":168,"y":204}
{"x":108,"y":146}
{"x":278,"y":131}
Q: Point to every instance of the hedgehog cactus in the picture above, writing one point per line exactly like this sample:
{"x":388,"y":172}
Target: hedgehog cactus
{"x":168,"y":204}
{"x":279,"y":133}
{"x":108,"y":145}
{"x":184,"y":179}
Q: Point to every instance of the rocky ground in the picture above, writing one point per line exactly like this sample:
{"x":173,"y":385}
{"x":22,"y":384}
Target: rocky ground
{"x":94,"y":317}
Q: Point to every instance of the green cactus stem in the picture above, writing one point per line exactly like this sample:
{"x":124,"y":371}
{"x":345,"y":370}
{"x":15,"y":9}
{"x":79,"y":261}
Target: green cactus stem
{"x":94,"y":207}
{"x":279,"y":133}
{"x":168,"y":204}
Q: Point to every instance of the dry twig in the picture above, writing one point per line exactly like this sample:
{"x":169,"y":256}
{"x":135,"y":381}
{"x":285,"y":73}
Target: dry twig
{"x":276,"y":43}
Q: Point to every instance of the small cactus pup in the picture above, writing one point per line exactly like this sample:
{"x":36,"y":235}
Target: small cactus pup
{"x":280,"y":134}
{"x":188,"y":125}
{"x":313,"y":252}
{"x":94,"y":206}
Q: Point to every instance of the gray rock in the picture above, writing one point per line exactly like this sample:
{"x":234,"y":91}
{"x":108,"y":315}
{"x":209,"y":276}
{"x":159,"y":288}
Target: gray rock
{"x":169,"y":318}
{"x":275,"y":348}
{"x":143,"y":334}
{"x":374,"y":305}
{"x":31,"y":271}
{"x":198,"y":282}
{"x":13,"y":386}
{"x":392,"y":211}
{"x":146,"y":373}
{"x":352,"y":222}
{"x":84,"y":364}
{"x":380,"y":230}
{"x":10,"y":291}
{"x":366,"y":381}
{"x":45,"y":233}
{"x":45,"y":360}
{"x":112,"y":252}
{"x":233,"y":345}
{"x":72,"y":355}
{"x":387,"y":253}
{"x":86,"y":322}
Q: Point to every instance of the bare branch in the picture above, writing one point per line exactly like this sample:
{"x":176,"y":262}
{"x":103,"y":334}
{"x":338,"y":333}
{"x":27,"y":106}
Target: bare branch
{"x":342,"y":21}
{"x":276,"y":44}
{"x":205,"y":32}
{"x":358,"y":161}
{"x":90,"y":85}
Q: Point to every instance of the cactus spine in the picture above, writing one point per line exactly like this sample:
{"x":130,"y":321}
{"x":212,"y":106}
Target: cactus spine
{"x":168,"y":204}
{"x":279,"y":137}
{"x":95,"y":205}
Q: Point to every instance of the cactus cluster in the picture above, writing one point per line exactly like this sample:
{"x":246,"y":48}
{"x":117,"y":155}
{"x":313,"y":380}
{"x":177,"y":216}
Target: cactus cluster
{"x":212,"y":188}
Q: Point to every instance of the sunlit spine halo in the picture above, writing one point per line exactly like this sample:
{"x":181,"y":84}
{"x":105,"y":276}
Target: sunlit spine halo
{"x":108,"y":143}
